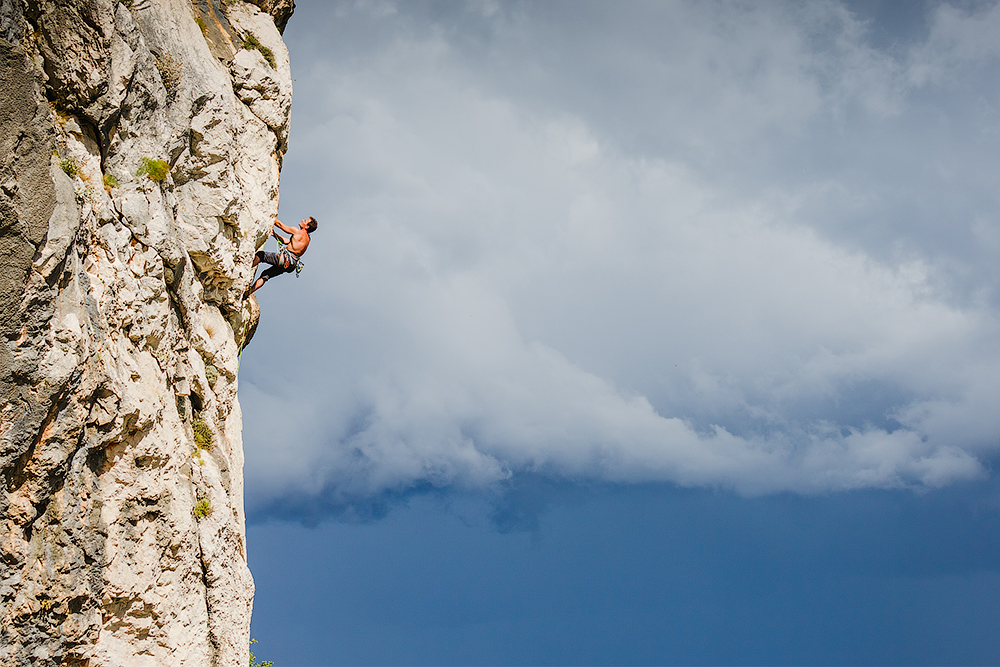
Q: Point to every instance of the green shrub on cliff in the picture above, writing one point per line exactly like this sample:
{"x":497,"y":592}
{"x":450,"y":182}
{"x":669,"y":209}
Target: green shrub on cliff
{"x":70,"y":166}
{"x":157,"y":170}
{"x":202,"y":509}
{"x":202,"y":434}
{"x":250,"y":41}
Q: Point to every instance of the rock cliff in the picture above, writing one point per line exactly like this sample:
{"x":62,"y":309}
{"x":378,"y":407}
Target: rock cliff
{"x":140,"y":146}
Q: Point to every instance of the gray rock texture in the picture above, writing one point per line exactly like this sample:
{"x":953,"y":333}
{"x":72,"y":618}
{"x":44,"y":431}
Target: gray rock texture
{"x":140,"y":147}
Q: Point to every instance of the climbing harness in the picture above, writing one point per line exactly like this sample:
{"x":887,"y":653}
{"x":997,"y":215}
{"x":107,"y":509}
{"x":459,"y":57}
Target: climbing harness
{"x":298,"y":265}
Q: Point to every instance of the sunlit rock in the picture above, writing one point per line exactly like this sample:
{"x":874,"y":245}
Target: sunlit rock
{"x":140,"y":147}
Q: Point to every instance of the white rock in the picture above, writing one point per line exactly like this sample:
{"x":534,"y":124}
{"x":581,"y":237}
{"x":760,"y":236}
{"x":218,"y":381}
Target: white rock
{"x":125,"y":337}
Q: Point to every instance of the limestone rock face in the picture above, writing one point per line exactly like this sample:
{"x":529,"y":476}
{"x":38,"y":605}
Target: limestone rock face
{"x":140,"y":147}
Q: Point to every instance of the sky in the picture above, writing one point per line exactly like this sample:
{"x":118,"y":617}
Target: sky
{"x":633,"y":333}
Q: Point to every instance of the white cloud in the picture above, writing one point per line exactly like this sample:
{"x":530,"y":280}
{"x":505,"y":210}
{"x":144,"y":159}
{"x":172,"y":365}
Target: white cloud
{"x":506,"y":278}
{"x":957,"y":38}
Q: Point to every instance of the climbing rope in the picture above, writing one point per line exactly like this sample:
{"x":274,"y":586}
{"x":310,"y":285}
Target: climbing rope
{"x":243,"y":336}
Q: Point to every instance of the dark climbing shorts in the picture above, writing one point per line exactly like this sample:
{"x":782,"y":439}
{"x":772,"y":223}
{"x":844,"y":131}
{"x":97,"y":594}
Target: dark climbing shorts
{"x":282,"y":261}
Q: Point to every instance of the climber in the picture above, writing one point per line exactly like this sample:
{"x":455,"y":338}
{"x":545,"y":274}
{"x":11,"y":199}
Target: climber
{"x":287,"y":258}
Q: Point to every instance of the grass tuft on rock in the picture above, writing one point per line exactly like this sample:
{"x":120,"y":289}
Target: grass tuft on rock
{"x":250,"y":41}
{"x":202,"y":509}
{"x":70,"y":166}
{"x":110,"y":182}
{"x":157,"y":170}
{"x":202,"y":434}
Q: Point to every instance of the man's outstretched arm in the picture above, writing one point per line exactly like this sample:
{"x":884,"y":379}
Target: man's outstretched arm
{"x":285,"y":228}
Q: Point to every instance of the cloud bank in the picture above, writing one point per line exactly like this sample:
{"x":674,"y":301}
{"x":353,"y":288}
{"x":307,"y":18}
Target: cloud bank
{"x":729,"y":245}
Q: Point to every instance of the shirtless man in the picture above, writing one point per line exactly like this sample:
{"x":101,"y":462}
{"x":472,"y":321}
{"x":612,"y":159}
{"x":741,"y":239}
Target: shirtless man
{"x":286,"y":259}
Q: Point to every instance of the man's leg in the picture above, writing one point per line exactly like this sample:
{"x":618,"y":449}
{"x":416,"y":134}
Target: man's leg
{"x":272,"y":258}
{"x":264,"y":277}
{"x":257,"y":284}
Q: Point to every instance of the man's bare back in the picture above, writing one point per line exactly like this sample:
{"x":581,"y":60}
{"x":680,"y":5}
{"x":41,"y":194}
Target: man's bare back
{"x":298,"y":240}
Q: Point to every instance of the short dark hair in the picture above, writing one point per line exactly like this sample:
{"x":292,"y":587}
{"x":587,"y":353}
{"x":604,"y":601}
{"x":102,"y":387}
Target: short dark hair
{"x":311,"y":225}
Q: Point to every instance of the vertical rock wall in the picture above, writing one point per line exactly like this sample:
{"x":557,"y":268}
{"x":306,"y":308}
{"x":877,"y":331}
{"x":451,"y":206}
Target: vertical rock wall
{"x":140,"y":145}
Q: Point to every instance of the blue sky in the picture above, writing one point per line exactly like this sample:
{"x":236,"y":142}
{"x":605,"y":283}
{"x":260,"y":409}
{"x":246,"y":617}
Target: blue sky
{"x":639,"y":576}
{"x":633,"y":333}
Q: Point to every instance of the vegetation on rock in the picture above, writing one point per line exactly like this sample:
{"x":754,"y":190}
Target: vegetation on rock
{"x":70,"y":166}
{"x":203,"y":509}
{"x":202,"y":434}
{"x":170,"y":71}
{"x":157,"y":170}
{"x":250,"y":41}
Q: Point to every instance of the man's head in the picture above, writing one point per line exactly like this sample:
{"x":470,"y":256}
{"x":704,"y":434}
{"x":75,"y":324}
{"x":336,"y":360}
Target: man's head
{"x":309,"y":224}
